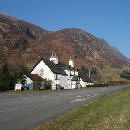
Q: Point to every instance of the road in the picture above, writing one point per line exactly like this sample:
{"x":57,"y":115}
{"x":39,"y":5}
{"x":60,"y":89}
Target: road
{"x":25,"y":111}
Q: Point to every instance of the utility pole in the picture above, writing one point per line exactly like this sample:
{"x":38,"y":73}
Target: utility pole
{"x":89,"y":73}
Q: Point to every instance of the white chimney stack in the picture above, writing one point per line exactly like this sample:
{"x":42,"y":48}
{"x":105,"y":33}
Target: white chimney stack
{"x":71,"y":62}
{"x":54,"y":58}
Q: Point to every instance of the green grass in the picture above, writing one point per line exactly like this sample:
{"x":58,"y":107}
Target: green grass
{"x":108,"y":113}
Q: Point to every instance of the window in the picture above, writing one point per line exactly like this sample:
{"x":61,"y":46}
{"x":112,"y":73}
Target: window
{"x":41,"y":72}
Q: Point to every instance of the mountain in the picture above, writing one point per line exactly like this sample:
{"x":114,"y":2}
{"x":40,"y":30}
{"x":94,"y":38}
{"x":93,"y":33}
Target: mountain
{"x":84,"y":46}
{"x":18,"y":37}
{"x":31,"y":43}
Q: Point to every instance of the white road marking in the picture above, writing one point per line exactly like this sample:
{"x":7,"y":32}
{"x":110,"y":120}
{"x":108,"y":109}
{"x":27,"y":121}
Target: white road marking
{"x":9,"y":110}
{"x":89,"y":96}
{"x":44,"y":96}
{"x":78,"y":100}
{"x":94,"y":95}
{"x":79,"y":96}
{"x":70,"y":97}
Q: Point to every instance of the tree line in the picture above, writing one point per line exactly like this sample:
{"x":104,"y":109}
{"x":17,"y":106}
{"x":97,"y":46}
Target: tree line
{"x":93,"y":72}
{"x":125,"y":74}
{"x":12,"y":73}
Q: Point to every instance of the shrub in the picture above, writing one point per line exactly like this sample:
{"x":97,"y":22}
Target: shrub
{"x":37,"y":81}
{"x":47,"y":84}
{"x":41,"y":83}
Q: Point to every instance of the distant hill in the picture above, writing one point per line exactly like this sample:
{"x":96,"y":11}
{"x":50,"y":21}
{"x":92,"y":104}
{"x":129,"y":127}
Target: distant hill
{"x":30,"y":42}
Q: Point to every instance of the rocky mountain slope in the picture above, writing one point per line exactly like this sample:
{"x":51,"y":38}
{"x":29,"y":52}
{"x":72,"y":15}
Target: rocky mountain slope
{"x":30,"y":42}
{"x":86,"y":47}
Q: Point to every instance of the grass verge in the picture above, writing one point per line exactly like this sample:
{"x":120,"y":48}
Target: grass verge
{"x":107,"y":113}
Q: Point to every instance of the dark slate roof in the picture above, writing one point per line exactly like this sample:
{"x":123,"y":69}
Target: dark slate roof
{"x":55,"y":68}
{"x":34,"y":76}
{"x":84,"y":76}
{"x":75,"y":78}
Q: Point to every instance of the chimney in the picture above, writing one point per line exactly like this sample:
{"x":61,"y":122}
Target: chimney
{"x":54,"y":58}
{"x":71,"y":62}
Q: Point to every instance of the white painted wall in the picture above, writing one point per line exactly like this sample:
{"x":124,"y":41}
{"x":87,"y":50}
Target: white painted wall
{"x":63,"y":79}
{"x":90,"y":83}
{"x":76,"y":73}
{"x":69,"y":85}
{"x":73,"y":84}
{"x":72,"y":72}
{"x":82,"y":83}
{"x":45,"y":72}
{"x":67,"y":72}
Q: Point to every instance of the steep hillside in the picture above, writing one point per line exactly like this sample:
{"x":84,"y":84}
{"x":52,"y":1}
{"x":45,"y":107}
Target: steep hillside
{"x":90,"y":49}
{"x":17,"y":38}
{"x":30,"y":42}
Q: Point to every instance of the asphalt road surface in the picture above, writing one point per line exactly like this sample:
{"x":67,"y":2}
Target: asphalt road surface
{"x":25,"y":111}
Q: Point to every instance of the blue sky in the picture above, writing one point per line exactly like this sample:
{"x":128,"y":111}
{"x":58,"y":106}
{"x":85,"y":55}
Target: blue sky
{"x":108,"y":19}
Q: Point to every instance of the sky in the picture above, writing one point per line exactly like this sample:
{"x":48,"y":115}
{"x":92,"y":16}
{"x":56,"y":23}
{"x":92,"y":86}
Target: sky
{"x":107,"y":19}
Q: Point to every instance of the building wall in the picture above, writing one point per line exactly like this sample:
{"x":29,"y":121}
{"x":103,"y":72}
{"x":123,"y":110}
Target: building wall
{"x":72,"y":72}
{"x":69,"y":85}
{"x":67,"y":72}
{"x":82,"y":83}
{"x":62,"y":80}
{"x":45,"y":72}
{"x":90,"y":83}
{"x":76,"y":73}
{"x":74,"y":84}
